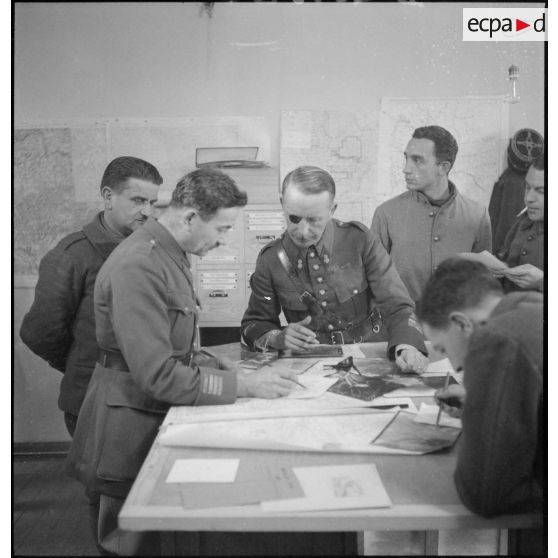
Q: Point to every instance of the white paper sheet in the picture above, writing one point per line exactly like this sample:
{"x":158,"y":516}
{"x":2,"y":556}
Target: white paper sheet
{"x":203,"y":470}
{"x":352,"y":432}
{"x":334,"y":488}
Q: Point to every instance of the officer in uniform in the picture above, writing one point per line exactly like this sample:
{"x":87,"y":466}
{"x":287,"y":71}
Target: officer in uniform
{"x":332,"y":280}
{"x":523,"y":249}
{"x":145,"y":313}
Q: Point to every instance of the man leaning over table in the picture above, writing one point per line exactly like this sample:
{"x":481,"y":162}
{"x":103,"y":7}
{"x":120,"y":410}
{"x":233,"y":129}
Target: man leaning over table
{"x":497,"y":340}
{"x":145,"y":312}
{"x":331,"y":279}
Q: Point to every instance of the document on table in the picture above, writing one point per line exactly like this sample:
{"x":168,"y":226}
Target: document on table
{"x":408,"y":436}
{"x":203,"y":470}
{"x":254,"y":483}
{"x":428,"y":414}
{"x":352,"y":432}
{"x":335,"y":488}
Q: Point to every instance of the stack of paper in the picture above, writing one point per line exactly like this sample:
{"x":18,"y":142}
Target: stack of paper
{"x":214,"y":483}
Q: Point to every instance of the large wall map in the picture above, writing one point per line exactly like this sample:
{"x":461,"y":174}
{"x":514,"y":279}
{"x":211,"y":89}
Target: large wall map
{"x":363,"y":151}
{"x":58,"y":168}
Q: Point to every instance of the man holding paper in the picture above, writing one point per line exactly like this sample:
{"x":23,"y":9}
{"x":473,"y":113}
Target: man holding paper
{"x":498,"y":340}
{"x":523,"y":248}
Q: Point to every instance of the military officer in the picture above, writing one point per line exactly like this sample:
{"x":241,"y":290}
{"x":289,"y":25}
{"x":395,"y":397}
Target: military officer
{"x":145,"y":314}
{"x":329,"y":278}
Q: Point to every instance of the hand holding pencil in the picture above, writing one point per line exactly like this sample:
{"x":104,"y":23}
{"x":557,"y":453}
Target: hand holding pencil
{"x":450,"y":399}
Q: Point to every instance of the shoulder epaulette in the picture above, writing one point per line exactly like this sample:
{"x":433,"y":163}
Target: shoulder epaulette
{"x":356,"y":224}
{"x":269,"y":245}
{"x":71,"y":239}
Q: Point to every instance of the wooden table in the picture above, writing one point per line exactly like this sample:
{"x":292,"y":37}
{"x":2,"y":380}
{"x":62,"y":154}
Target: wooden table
{"x":420,"y":487}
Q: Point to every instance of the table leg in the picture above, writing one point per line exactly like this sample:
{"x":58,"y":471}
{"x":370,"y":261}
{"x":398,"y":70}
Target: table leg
{"x":431,"y":543}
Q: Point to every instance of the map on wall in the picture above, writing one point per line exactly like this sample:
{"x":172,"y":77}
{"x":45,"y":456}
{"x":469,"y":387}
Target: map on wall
{"x":363,"y":151}
{"x":342,"y":142}
{"x":58,"y":168}
{"x":479,"y":124}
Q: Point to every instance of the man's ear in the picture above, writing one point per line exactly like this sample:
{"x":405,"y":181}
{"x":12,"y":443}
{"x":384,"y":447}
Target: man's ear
{"x":462,"y":321}
{"x":333,"y":208}
{"x":445,"y":166}
{"x":106,"y":194}
{"x":189,"y":217}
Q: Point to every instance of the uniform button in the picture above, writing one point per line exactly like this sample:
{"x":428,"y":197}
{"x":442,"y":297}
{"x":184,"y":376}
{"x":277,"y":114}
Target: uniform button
{"x":530,"y":237}
{"x":324,"y":302}
{"x":316,"y":267}
{"x":330,"y":326}
{"x":524,"y":252}
{"x":312,"y":254}
{"x":436,"y":238}
{"x":299,"y":264}
{"x":435,"y":267}
{"x":355,"y":291}
{"x":326,"y":258}
{"x":319,"y":279}
{"x":431,"y":214}
{"x":321,"y":291}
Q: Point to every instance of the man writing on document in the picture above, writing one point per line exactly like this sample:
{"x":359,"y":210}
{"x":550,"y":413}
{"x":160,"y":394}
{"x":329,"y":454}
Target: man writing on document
{"x":334,"y":281}
{"x":145,"y":314}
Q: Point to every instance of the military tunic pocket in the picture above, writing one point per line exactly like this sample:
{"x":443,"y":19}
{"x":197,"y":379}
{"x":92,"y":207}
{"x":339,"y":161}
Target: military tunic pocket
{"x":290,"y":300}
{"x":182,"y":317}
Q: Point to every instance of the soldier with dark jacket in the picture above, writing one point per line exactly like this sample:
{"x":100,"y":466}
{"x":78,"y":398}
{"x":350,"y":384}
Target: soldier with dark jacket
{"x":60,"y":326}
{"x":146,"y":323}
{"x":332,"y":280}
{"x":523,"y":249}
{"x":497,"y":340}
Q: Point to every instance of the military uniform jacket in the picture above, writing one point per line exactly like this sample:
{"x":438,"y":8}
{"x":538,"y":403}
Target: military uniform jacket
{"x":348,"y":271}
{"x":524,"y":244}
{"x":418,"y":235}
{"x":60,"y":326}
{"x":145,"y":308}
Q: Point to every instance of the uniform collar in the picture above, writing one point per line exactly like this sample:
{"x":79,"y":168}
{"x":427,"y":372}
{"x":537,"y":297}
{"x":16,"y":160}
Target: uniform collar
{"x":323,"y":246}
{"x":162,"y":235}
{"x":421,"y":197}
{"x":100,"y":237}
{"x":525,"y":223}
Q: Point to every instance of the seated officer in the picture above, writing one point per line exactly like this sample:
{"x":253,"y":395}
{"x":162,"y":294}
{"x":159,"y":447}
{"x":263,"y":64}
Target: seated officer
{"x":523,"y":247}
{"x":498,"y":340}
{"x":327,"y":277}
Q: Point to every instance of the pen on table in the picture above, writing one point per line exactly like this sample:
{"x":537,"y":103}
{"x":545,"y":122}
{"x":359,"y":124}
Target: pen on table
{"x":446,"y":383}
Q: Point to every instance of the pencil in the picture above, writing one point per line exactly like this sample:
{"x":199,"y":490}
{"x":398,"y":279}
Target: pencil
{"x":446,"y":383}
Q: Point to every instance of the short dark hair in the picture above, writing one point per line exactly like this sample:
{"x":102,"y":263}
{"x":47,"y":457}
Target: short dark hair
{"x":457,"y":284}
{"x":445,"y":146}
{"x":207,"y":190}
{"x":539,"y":162}
{"x":122,"y":168}
{"x":310,"y":180}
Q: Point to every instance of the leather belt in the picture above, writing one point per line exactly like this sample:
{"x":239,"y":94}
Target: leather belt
{"x":115,"y":360}
{"x":112,"y":359}
{"x":358,"y":333}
